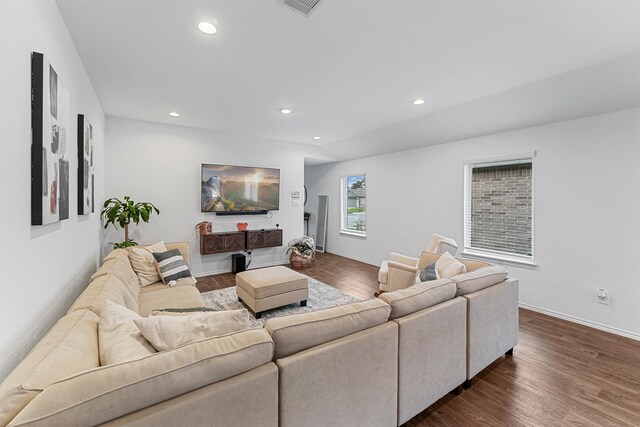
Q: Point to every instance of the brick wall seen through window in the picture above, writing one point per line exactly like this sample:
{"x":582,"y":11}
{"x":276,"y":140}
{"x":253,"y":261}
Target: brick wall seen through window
{"x":501,"y":209}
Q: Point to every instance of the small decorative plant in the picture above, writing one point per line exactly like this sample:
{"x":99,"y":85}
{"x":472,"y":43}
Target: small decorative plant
{"x":307,"y":215}
{"x":123,"y":213}
{"x":303,"y":252}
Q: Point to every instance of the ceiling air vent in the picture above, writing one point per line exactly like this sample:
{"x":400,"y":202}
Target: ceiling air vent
{"x":304,"y":7}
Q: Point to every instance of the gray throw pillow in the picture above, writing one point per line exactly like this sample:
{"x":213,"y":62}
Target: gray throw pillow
{"x":171,"y":266}
{"x":428,"y":273}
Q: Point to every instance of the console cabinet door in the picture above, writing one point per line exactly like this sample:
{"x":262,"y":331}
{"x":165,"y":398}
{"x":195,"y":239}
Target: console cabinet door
{"x":235,"y":241}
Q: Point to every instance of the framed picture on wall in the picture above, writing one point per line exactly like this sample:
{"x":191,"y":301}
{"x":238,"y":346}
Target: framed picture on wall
{"x":49,"y":130}
{"x":86,"y":180}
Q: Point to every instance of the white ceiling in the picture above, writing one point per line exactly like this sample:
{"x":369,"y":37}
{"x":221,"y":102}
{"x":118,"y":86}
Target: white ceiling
{"x":352,"y":67}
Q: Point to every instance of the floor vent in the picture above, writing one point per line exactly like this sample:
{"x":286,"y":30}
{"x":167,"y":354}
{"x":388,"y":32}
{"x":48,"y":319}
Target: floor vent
{"x":304,"y":7}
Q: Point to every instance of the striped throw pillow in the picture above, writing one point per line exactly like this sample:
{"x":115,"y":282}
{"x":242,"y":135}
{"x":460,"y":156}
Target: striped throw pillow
{"x":171,"y":266}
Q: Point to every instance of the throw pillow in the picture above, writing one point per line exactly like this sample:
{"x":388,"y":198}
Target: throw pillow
{"x":171,"y":266}
{"x":448,"y":266}
{"x":428,"y":273}
{"x":144,"y":264}
{"x":180,"y":311}
{"x":119,"y":339}
{"x":168,"y":332}
{"x":426,"y":258}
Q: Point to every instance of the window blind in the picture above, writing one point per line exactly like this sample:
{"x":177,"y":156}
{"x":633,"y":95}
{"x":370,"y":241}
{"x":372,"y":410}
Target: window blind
{"x":498,"y":206}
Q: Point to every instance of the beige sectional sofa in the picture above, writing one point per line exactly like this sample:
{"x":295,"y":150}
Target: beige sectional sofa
{"x":61,"y":382}
{"x":376,"y":363}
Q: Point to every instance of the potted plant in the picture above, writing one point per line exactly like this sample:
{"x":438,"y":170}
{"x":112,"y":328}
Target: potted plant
{"x":307,"y":215}
{"x":123,"y":213}
{"x":303,"y":252}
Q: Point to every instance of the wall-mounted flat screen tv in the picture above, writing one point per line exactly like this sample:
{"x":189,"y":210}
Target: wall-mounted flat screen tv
{"x":237,"y":190}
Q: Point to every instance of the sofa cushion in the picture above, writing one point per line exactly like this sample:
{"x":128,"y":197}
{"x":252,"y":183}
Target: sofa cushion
{"x":109,"y":392}
{"x":171,"y":266}
{"x":107,"y":287}
{"x":144,"y":264}
{"x":298,"y":332}
{"x":158,"y":286}
{"x":71,"y":346}
{"x":169,"y":332}
{"x":121,"y":268}
{"x":119,"y":338}
{"x":418,"y":297}
{"x":448,"y":266}
{"x":116,"y":253}
{"x":176,"y":297}
{"x":479,"y":279}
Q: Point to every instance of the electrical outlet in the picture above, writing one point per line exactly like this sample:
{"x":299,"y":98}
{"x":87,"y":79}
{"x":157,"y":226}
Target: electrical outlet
{"x":602,"y":297}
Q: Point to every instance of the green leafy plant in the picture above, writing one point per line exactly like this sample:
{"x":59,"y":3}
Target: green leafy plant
{"x":123,"y":212}
{"x":359,"y":225}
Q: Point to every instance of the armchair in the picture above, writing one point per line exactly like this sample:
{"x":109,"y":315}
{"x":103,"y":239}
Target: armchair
{"x":441,"y":244}
{"x":399,"y":271}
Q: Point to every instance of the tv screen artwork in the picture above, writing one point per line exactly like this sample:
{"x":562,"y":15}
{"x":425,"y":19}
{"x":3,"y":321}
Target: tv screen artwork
{"x":239,"y":189}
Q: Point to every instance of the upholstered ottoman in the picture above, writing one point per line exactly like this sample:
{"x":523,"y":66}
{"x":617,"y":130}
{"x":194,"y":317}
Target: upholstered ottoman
{"x":271,"y":287}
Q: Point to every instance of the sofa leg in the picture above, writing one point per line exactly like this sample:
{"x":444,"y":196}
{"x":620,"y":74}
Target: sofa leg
{"x":457,"y":390}
{"x":303,"y":303}
{"x":239,"y":299}
{"x":466,"y":384}
{"x":509,"y":352}
{"x":258,"y":315}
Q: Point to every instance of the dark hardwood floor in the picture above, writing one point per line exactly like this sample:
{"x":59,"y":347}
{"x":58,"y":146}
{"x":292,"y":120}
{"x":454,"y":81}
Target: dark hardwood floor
{"x":561,"y":373}
{"x":351,"y":277}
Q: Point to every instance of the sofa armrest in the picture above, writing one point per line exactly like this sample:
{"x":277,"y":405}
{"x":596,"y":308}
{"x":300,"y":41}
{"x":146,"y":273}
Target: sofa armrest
{"x":403,"y":259}
{"x":492,"y":322}
{"x":399,"y":276}
{"x":102,"y":394}
{"x":400,"y":266}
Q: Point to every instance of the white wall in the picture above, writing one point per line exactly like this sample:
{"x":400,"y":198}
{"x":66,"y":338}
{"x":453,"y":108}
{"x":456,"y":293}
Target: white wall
{"x":161,"y":164}
{"x":587,"y":210}
{"x":44,"y":268}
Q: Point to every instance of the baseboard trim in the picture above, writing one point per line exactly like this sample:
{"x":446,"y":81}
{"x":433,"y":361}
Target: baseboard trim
{"x":228,"y":270}
{"x":581,"y":321}
{"x":353,"y":258}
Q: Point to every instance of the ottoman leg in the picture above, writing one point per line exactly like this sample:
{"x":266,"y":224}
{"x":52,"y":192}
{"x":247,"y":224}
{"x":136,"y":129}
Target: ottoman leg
{"x":258,"y":315}
{"x":239,"y":299}
{"x":303,"y":303}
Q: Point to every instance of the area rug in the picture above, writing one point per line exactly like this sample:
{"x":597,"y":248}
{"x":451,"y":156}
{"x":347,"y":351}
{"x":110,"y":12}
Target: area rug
{"x":320,"y":296}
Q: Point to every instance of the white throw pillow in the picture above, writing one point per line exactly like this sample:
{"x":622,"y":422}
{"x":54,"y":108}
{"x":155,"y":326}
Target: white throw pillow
{"x":119,"y":339}
{"x":144,"y":264}
{"x":168,"y":332}
{"x":448,"y":266}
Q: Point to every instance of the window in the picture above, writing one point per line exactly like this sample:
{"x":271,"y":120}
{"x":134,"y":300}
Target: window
{"x":499,"y":209}
{"x":353,"y":205}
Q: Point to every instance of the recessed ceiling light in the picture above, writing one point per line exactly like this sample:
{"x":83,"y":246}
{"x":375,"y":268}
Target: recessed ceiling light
{"x":174,"y":114}
{"x":285,"y":110}
{"x":207,"y":28}
{"x":316,"y":137}
{"x":418,"y":101}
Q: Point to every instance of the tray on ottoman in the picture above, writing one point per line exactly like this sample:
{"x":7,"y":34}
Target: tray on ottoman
{"x":271,"y":287}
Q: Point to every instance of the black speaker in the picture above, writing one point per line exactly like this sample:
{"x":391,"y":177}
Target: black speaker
{"x":238,"y":263}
